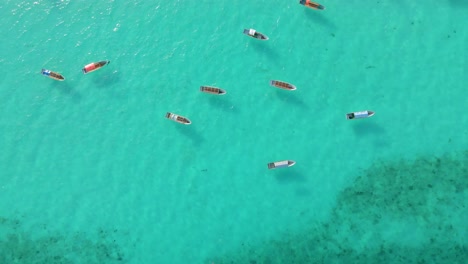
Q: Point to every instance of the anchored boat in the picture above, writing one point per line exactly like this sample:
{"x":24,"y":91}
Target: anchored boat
{"x":283,"y":85}
{"x":212,"y":90}
{"x":54,"y":75}
{"x":358,"y":115}
{"x":178,"y":118}
{"x":311,"y":4}
{"x":255,"y":34}
{"x":281,"y":164}
{"x":94,"y":66}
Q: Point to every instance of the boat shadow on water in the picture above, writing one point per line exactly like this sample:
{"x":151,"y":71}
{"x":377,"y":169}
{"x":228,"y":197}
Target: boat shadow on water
{"x":319,"y":18}
{"x":107,"y":79}
{"x":459,"y":3}
{"x":265,"y":48}
{"x":223,"y":103}
{"x":372,"y":132}
{"x":303,"y":192}
{"x":190,"y":132}
{"x":66,"y":88}
{"x":289,"y":176}
{"x":290,"y":97}
{"x":367,"y":128}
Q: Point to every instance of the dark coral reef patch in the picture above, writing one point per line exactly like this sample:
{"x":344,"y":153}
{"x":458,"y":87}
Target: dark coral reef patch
{"x":52,"y":247}
{"x":394,"y":212}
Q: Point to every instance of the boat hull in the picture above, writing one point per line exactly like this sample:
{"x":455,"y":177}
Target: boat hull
{"x":311,"y":4}
{"x":255,"y":34}
{"x":281,"y":164}
{"x":94,"y":66}
{"x":212,"y":90}
{"x":359,"y":115}
{"x":53,"y":75}
{"x":283,"y":85}
{"x":178,"y":118}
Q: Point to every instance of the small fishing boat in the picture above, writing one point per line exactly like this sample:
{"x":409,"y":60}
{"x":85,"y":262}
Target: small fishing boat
{"x":212,"y":90}
{"x":281,"y":164}
{"x":283,"y":85}
{"x":94,"y":66}
{"x":54,"y":75}
{"x":178,"y":118}
{"x":358,"y":115}
{"x":311,"y":4}
{"x":254,"y":34}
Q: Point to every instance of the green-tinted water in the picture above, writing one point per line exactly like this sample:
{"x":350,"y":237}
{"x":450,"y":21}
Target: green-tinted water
{"x":92,"y":172}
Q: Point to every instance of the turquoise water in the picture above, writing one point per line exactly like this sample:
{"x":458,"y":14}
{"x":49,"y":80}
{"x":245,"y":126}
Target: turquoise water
{"x":92,"y":172}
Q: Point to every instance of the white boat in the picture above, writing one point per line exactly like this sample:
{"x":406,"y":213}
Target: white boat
{"x":281,"y":164}
{"x":178,"y":118}
{"x":255,"y":34}
{"x":359,"y":115}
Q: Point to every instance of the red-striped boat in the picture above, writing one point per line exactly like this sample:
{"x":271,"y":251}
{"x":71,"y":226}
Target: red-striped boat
{"x":212,"y":90}
{"x":178,"y":118}
{"x":283,"y":85}
{"x":94,"y":66}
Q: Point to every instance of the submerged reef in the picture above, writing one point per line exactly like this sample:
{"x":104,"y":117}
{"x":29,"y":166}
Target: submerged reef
{"x":19,"y":246}
{"x":393,"y":212}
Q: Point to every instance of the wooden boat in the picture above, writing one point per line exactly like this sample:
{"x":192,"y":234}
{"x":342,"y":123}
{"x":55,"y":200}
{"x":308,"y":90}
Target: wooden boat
{"x":54,"y":75}
{"x":281,"y":164}
{"x":212,"y":90}
{"x":94,"y":66}
{"x":178,"y":118}
{"x":254,"y":34}
{"x":283,"y":85}
{"x":311,"y":4}
{"x":361,"y":114}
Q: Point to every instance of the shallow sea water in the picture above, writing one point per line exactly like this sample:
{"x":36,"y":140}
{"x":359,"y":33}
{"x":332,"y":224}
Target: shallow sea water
{"x":92,"y":172}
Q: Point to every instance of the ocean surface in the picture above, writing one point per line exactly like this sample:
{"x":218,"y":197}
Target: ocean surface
{"x":91,"y":171}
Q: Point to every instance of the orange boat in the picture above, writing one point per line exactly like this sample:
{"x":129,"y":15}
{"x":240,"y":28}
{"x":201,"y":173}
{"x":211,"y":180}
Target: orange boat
{"x":283,"y":85}
{"x":178,"y":118}
{"x":212,"y":90}
{"x":94,"y":66}
{"x":54,"y":75}
{"x":311,"y":4}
